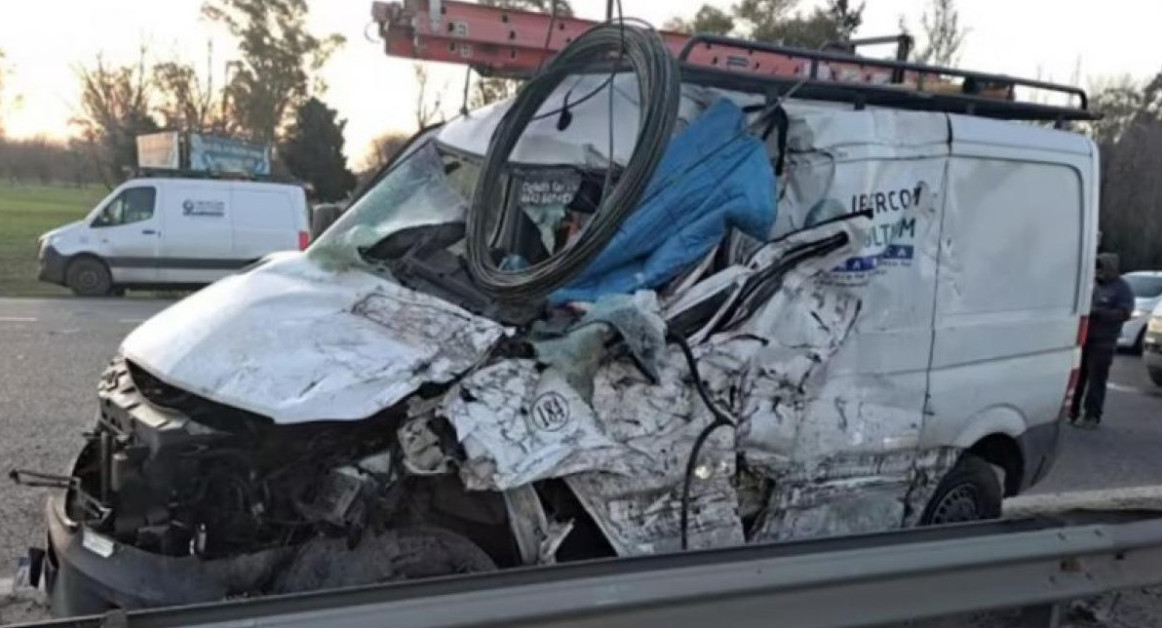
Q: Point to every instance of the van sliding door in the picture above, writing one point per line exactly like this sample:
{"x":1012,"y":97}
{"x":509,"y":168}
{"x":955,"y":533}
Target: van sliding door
{"x":197,"y":239}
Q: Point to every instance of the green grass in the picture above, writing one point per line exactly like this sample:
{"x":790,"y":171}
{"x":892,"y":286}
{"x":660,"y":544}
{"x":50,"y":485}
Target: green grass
{"x":26,"y":211}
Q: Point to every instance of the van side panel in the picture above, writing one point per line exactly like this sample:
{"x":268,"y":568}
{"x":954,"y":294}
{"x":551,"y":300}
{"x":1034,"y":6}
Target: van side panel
{"x":197,"y":241}
{"x":265,"y":220}
{"x":852,"y":457}
{"x":1014,"y":272}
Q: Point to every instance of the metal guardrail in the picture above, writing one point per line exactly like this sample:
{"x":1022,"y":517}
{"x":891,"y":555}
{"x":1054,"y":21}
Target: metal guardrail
{"x":831,"y":583}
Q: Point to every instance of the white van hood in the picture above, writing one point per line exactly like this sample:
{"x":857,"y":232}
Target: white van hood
{"x":61,"y":229}
{"x":293,"y":342}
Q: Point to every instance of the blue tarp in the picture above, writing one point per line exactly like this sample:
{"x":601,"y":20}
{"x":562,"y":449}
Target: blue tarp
{"x":705,"y":184}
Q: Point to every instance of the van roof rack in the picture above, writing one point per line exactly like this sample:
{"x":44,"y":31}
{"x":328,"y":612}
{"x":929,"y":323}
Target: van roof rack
{"x":497,"y":41}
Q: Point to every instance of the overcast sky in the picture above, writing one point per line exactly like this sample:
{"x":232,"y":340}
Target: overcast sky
{"x":45,"y":39}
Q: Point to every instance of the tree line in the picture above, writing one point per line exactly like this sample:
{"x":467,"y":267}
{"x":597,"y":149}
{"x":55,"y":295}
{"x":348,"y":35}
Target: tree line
{"x":1129,"y":139}
{"x":270,"y":93}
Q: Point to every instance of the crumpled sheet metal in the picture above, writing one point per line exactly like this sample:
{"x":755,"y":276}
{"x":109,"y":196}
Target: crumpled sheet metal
{"x":837,"y":460}
{"x":517,"y":426}
{"x":839,"y":440}
{"x":831,"y":447}
{"x":296,"y":343}
{"x":639,"y":521}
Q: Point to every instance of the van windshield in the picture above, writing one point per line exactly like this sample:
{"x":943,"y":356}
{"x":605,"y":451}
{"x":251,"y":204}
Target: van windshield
{"x":422,"y":203}
{"x":428,"y":187}
{"x":1145,"y":286}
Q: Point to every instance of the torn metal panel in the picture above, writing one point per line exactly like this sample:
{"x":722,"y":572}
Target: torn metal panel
{"x":843,"y":374}
{"x":518,"y":425}
{"x":640,"y":520}
{"x":517,"y":428}
{"x":852,"y":494}
{"x":295,"y":343}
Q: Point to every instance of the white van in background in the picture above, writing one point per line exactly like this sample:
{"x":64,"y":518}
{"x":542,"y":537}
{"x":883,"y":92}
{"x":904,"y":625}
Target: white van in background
{"x":151,"y":233}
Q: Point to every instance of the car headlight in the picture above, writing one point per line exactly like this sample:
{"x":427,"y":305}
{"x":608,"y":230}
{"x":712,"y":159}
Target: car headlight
{"x":1138,"y":313}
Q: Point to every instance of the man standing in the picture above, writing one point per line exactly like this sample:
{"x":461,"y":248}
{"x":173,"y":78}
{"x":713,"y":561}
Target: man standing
{"x":1113,"y":301}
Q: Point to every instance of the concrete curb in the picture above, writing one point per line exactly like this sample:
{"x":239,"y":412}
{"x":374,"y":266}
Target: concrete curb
{"x":1135,"y":498}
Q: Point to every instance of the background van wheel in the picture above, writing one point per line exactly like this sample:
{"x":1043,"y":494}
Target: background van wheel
{"x":89,"y":277}
{"x":970,"y":492}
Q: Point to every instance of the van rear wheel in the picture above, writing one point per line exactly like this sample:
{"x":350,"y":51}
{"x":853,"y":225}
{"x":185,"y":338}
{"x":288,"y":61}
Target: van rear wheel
{"x":89,"y":277}
{"x":970,"y":492}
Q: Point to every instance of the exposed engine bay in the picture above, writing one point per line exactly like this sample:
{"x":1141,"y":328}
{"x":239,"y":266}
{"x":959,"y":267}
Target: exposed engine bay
{"x":177,"y":475}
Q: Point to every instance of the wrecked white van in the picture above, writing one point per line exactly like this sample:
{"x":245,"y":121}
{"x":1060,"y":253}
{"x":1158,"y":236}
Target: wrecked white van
{"x":894,"y":351}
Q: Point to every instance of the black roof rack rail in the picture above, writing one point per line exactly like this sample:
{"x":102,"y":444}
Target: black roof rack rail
{"x":914,"y":86}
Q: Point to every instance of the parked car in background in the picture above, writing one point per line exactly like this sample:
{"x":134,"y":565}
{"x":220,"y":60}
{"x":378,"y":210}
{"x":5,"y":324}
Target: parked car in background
{"x":168,"y":232}
{"x":1147,"y":287}
{"x":1152,"y":345}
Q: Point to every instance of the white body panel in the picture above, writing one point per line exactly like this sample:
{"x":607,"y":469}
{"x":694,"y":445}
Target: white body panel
{"x":949,"y":315}
{"x":198,"y":230}
{"x":1016,"y":270}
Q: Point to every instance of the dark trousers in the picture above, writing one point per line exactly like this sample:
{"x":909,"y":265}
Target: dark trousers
{"x":1091,"y":381}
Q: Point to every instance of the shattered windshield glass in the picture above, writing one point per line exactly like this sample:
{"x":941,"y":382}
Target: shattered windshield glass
{"x":426,"y":188}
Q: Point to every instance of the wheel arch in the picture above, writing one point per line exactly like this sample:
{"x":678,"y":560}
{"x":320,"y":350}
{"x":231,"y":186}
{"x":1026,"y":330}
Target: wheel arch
{"x":992,"y":436}
{"x":72,"y":259}
{"x":1002,"y":451}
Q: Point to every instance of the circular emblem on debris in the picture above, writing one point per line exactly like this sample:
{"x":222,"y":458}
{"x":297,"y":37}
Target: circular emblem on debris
{"x":550,"y":412}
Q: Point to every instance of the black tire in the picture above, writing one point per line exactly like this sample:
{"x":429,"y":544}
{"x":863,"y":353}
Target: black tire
{"x":407,"y":554}
{"x":1139,"y":343}
{"x":89,"y":277}
{"x":970,"y":492}
{"x":1155,"y":376}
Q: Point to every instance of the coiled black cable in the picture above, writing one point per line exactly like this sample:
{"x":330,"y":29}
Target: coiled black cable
{"x":659,"y":88}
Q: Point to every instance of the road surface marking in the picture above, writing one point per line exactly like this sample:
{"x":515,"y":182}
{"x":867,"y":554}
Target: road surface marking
{"x":1125,"y":389}
{"x":17,"y":319}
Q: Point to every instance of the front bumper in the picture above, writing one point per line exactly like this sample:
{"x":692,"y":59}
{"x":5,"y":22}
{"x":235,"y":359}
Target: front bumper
{"x":89,"y":573}
{"x":52,"y":265}
{"x":1152,"y":351}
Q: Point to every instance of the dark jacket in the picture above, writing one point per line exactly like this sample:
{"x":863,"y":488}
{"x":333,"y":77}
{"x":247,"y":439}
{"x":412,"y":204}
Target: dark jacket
{"x":1113,"y":301}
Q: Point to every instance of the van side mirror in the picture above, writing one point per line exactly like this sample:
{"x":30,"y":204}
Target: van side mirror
{"x":323,"y":216}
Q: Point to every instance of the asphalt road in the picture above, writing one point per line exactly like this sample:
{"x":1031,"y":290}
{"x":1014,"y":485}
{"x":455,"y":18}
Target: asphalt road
{"x":55,"y":349}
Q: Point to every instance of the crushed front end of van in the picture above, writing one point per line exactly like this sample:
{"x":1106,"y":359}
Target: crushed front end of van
{"x":720,"y":375}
